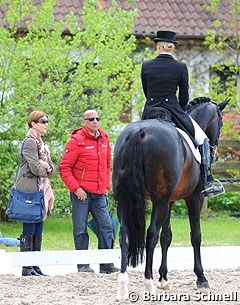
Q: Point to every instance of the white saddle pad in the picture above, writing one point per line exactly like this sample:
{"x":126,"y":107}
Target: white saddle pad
{"x":194,"y":150}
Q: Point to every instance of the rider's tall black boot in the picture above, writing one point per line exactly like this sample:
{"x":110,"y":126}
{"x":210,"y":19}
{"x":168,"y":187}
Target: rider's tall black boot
{"x":37,"y":245}
{"x":209,"y":188}
{"x":26,"y":244}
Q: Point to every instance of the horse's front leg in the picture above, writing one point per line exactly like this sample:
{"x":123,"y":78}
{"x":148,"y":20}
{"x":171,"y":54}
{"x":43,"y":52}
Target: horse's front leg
{"x":194,"y":208}
{"x":165,"y":241}
{"x":159,"y":213}
{"x":123,"y":278}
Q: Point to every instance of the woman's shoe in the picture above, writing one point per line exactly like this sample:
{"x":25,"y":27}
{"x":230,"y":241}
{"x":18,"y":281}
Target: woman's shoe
{"x":38,"y":270}
{"x":29,"y":271}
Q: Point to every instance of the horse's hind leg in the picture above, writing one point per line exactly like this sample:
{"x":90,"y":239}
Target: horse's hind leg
{"x":194,"y":208}
{"x":123,"y":276}
{"x":165,"y":241}
{"x":159,"y":213}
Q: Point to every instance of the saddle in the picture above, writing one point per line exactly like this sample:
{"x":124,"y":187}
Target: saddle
{"x":159,"y":113}
{"x":164,"y":114}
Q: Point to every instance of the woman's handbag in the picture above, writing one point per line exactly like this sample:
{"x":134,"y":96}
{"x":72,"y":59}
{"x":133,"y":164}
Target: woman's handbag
{"x":27,"y":207}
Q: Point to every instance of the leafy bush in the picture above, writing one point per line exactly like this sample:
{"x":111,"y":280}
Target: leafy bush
{"x":179,"y":208}
{"x":8,"y":162}
{"x":227,"y":202}
{"x":62,"y":205}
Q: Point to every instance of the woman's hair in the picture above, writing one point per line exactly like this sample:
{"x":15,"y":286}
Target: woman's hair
{"x":167,"y":46}
{"x":34,"y":116}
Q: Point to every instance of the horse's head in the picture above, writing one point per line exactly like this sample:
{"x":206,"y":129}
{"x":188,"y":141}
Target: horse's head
{"x":208,"y":114}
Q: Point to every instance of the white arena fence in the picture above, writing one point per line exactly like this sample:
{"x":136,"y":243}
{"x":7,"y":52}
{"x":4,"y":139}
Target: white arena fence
{"x":179,"y":258}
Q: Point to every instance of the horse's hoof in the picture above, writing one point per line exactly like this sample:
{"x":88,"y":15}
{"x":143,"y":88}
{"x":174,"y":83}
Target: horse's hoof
{"x":122,"y":294}
{"x":165,"y":285}
{"x":204,"y":285}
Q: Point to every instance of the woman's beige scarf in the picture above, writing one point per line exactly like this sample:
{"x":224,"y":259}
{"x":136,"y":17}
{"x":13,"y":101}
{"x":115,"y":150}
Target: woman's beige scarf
{"x":44,"y":182}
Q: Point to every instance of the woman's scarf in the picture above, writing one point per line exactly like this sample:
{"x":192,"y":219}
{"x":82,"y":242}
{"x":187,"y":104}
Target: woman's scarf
{"x":44,"y":183}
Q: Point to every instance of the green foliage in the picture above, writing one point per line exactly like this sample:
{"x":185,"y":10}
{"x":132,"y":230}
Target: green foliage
{"x":8,"y":160}
{"x":179,"y":208}
{"x":62,"y":205}
{"x":225,"y":36}
{"x":229,"y":130}
{"x":228,"y":202}
{"x":63,"y":75}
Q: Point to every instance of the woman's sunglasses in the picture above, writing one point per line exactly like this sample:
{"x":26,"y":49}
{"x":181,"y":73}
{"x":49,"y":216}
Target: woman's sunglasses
{"x":92,"y":119}
{"x":42,"y":121}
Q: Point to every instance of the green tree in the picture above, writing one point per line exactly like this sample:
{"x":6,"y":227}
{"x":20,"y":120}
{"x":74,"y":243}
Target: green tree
{"x":224,"y":37}
{"x":62,"y":74}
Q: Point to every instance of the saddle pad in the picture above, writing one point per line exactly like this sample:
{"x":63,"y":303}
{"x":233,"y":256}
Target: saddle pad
{"x":194,"y":150}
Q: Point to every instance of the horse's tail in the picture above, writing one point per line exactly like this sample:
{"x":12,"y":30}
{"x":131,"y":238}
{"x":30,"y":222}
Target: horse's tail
{"x":130,"y":194}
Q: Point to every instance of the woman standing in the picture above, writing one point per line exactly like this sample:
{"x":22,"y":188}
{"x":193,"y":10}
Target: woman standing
{"x":34,"y":170}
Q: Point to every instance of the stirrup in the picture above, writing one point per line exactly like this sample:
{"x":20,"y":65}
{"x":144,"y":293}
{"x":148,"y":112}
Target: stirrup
{"x":219,"y":183}
{"x":214,"y":190}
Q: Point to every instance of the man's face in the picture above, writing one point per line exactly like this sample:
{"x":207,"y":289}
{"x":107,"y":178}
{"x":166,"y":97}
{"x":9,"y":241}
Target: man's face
{"x":91,"y":122}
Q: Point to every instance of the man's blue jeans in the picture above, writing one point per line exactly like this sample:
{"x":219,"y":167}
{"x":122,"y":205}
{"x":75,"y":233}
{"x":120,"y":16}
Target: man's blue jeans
{"x":97,"y":205}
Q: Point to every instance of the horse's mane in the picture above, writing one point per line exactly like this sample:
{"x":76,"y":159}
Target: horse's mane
{"x":197,"y":102}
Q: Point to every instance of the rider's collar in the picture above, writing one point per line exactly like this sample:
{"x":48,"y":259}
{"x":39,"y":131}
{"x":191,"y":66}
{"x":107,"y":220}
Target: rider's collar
{"x":166,"y":53}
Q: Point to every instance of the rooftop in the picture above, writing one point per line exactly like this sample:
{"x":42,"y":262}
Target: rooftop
{"x":186,"y":17}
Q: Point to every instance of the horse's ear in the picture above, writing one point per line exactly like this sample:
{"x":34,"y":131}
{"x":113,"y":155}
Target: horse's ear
{"x":223,"y":104}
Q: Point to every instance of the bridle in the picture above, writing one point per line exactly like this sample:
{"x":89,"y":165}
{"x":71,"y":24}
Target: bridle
{"x":214,"y":145}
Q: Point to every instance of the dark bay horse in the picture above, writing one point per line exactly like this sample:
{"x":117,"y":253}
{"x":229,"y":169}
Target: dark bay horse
{"x":153,"y":161}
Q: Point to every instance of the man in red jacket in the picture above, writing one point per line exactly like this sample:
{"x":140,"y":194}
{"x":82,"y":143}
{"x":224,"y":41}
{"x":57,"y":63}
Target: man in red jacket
{"x":85,"y":169}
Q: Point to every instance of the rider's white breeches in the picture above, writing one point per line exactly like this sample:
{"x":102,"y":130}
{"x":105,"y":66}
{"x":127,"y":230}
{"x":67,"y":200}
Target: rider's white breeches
{"x":200,"y":135}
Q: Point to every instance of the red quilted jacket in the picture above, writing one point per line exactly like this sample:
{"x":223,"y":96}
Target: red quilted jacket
{"x":86,"y":162}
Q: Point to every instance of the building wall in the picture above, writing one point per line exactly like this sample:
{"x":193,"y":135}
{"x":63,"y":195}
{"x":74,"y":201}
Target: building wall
{"x":199,"y":61}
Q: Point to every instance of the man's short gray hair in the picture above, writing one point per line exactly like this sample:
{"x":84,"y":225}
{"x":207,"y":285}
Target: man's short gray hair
{"x":88,"y":112}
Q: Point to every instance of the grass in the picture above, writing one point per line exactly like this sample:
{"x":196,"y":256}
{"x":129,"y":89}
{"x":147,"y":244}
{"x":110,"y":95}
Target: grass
{"x":57,"y":235}
{"x":216,"y":231}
